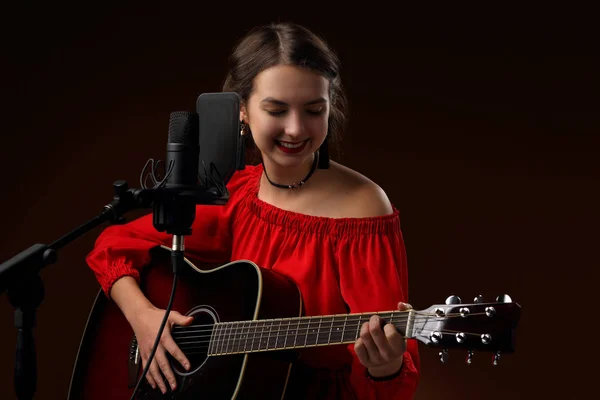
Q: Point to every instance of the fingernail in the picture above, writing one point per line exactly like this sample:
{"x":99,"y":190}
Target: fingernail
{"x":173,"y":386}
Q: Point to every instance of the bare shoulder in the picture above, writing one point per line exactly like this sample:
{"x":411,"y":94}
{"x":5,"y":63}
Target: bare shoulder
{"x":357,"y":196}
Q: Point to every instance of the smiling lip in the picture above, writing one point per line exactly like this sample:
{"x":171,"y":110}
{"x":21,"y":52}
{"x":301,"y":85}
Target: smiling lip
{"x":291,"y":147}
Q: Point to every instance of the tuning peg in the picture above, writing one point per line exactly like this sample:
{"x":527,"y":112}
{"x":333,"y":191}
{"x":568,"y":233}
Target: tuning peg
{"x":478,"y":299}
{"x":453,"y":300}
{"x":496,"y":358}
{"x":504,"y":298}
{"x":470,"y":357}
{"x":443,"y":356}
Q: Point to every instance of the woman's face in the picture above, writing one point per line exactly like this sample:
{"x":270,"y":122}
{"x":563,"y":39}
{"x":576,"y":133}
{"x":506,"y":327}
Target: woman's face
{"x":288,"y":113}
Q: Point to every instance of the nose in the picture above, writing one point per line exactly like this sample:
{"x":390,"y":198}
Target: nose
{"x":295,"y":126}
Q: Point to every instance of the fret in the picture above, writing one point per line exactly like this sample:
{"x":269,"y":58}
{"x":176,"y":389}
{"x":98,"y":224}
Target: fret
{"x":351,"y":328}
{"x":229,"y":343}
{"x":211,"y":342}
{"x":215,"y":346}
{"x":296,"y":332}
{"x":347,"y":331}
{"x":270,"y":336}
{"x":307,"y":330}
{"x":336,"y":331}
{"x":254,"y":325}
{"x":239,"y":329}
{"x":233,"y":347}
{"x":318,"y":331}
{"x":222,"y":338}
{"x":331,"y":330}
{"x":259,"y":335}
{"x":213,"y":339}
{"x":287,"y":333}
{"x":275,"y":333}
{"x":325,"y":325}
{"x":235,"y":338}
{"x":358,"y":324}
{"x":243,"y":336}
{"x":279,"y":336}
{"x":266,"y":335}
{"x":246,"y":332}
{"x":228,"y":337}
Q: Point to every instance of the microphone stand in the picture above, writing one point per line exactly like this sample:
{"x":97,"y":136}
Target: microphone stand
{"x":19,"y":278}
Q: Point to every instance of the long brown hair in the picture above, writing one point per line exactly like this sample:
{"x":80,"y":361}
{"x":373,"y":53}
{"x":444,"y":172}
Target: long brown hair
{"x":289,"y":44}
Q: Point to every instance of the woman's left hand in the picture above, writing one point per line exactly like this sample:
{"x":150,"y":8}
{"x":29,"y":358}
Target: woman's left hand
{"x":381,"y":350}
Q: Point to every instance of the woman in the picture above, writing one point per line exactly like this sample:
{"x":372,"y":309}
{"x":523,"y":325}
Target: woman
{"x":328,"y":228}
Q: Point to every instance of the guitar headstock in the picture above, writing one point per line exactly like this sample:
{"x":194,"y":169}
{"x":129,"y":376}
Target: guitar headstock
{"x":477,"y":326}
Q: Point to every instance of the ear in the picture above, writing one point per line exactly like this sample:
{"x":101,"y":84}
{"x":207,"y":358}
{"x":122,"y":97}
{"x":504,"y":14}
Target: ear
{"x":243,"y":113}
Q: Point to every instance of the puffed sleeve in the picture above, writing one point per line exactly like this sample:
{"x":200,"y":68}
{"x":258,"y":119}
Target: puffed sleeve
{"x":374,"y":277}
{"x":123,"y":250}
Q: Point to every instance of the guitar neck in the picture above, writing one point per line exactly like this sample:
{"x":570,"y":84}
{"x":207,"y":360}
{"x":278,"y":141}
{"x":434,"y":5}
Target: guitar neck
{"x":292,"y":333}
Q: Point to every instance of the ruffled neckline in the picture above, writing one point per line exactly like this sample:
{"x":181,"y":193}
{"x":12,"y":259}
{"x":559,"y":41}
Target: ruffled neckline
{"x":314,"y":224}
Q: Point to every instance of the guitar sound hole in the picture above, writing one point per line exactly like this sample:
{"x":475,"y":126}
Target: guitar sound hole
{"x":194,"y":339}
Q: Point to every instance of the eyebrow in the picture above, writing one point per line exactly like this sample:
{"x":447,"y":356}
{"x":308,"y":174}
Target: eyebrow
{"x":273,"y":100}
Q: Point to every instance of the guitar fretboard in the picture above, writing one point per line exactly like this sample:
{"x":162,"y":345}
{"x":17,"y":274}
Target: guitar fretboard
{"x":291,"y":333}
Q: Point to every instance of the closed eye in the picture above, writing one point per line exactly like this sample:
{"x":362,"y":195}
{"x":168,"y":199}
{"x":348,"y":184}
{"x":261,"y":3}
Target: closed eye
{"x":282,"y":112}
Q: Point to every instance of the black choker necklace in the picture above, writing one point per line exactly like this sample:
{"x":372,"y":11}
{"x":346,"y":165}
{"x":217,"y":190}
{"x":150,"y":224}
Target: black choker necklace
{"x":294,"y":185}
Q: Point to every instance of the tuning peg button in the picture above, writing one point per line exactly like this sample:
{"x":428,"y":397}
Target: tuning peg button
{"x":504,"y":298}
{"x":478,"y":299}
{"x":470,"y":357}
{"x":496,"y":358}
{"x":444,"y":356}
{"x":436,"y":337}
{"x":453,"y":300}
{"x":486,"y":338}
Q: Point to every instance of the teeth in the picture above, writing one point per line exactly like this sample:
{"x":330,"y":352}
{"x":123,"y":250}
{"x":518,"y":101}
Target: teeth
{"x":291,"y":146}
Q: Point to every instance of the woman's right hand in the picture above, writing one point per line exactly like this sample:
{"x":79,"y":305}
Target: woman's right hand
{"x":146,"y":324}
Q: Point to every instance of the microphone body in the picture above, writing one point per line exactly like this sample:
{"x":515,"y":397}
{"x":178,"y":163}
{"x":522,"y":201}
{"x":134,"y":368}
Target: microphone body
{"x":174,"y":210}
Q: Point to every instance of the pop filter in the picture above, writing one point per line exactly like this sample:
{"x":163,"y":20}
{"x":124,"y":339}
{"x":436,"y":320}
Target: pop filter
{"x":219,"y":138}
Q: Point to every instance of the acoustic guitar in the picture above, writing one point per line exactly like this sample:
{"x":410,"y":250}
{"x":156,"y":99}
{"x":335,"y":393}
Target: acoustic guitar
{"x":248,"y":324}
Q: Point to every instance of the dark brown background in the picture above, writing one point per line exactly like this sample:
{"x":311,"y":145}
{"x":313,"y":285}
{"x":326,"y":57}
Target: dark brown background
{"x":481,"y":127}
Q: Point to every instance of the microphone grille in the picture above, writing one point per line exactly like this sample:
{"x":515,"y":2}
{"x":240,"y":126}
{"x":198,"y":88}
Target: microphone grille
{"x":184,"y":127}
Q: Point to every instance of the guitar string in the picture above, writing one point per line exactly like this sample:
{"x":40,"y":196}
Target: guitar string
{"x":302,"y":324}
{"x":237,"y":342}
{"x":270,"y":335}
{"x":181,"y":331}
{"x":272,"y":329}
{"x":236,"y":337}
{"x":203,"y":349}
{"x":303,"y":320}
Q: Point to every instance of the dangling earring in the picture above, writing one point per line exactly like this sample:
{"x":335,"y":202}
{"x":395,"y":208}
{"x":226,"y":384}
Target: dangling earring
{"x":324,"y":154}
{"x":241,"y":148}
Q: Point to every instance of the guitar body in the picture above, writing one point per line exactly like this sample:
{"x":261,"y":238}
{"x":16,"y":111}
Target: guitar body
{"x":106,"y":365}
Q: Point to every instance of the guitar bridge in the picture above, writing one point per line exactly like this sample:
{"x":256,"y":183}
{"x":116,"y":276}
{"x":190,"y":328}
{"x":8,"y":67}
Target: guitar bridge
{"x":133,"y":363}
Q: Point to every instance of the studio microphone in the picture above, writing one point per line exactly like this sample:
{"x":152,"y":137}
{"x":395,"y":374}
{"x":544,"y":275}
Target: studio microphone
{"x":175,"y":205}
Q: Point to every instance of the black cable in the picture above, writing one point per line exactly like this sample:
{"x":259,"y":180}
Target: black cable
{"x":177,"y":259}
